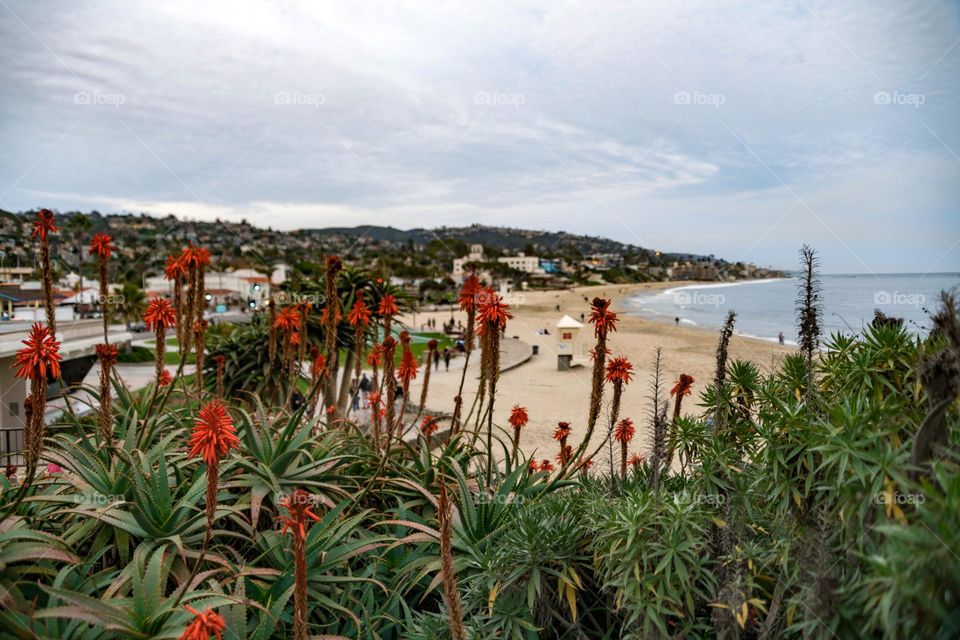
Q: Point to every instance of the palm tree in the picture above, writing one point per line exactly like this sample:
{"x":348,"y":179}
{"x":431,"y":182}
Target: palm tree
{"x":79,"y":225}
{"x":132,"y":299}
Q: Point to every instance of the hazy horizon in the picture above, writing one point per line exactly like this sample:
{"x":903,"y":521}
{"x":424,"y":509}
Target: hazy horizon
{"x":738,"y":131}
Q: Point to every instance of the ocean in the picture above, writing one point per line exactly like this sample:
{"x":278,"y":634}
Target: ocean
{"x":767,"y":307}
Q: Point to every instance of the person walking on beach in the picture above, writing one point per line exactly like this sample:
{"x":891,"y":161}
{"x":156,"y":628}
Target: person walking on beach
{"x":436,"y":361}
{"x":355,"y":394}
{"x":676,"y":321}
{"x":446,"y":358}
{"x":780,"y":337}
{"x":365,"y":387}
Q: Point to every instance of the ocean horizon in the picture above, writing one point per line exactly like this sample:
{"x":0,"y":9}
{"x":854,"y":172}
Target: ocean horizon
{"x":767,"y":307}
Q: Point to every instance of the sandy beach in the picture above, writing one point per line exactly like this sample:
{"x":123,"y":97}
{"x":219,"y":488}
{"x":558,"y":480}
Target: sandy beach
{"x":551,"y":396}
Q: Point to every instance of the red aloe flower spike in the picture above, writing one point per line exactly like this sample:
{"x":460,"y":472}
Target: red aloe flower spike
{"x":518,"y":420}
{"x":623,"y":434}
{"x":174,"y":269}
{"x":44,"y":225}
{"x":159,"y":315}
{"x":40,"y":357}
{"x":213,"y":433}
{"x":359,"y":316}
{"x":683,"y":386}
{"x":299,"y":515}
{"x":493,"y":312}
{"x":619,"y":370}
{"x":562,"y":432}
{"x":297,"y":505}
{"x":429,"y":426}
{"x":100,"y":245}
{"x":204,"y":625}
{"x":603,"y":319}
{"x":388,"y":306}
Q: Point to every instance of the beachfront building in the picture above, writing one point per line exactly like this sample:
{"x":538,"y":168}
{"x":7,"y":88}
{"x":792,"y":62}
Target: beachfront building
{"x":568,"y":330}
{"x":520,"y":262}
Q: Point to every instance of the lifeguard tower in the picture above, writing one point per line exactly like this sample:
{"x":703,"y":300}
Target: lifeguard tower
{"x":568,"y":331}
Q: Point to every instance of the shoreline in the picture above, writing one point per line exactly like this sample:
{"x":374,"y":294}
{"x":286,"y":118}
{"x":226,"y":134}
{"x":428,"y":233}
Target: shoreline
{"x":551,"y":396}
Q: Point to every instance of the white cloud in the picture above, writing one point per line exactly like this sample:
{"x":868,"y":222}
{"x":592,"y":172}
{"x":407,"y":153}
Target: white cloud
{"x":547,"y":114}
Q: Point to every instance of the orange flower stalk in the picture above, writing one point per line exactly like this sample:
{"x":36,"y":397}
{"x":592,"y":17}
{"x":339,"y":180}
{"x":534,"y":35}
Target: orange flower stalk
{"x":100,"y":247}
{"x":199,"y":330}
{"x":468,"y":303}
{"x":158,"y":317}
{"x":447,"y":568}
{"x":359,"y":319}
{"x":604,"y":322}
{"x":635,"y":460}
{"x":195,"y":259}
{"x":107,"y":354}
{"x":565,"y":454}
{"x":206,"y":624}
{"x":176,"y":271}
{"x":303,"y":308}
{"x":288,"y":323}
{"x":560,"y":434}
{"x":389,"y":348}
{"x":682,"y":388}
{"x":431,"y":354}
{"x":298,"y":505}
{"x":272,"y":324}
{"x":318,"y":369}
{"x":624,"y":434}
{"x":331,"y":306}
{"x":45,"y":225}
{"x":37,"y":361}
{"x":407,"y":370}
{"x":492,"y":316}
{"x":429,"y":426}
{"x":374,"y":402}
{"x":518,"y":420}
{"x":212,"y":438}
{"x":546,"y":465}
{"x":619,"y":373}
{"x":386,"y":309}
{"x":165,"y":378}
{"x":221,"y":361}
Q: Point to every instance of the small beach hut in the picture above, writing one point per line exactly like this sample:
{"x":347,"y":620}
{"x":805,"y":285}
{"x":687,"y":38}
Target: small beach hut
{"x":568,"y":330}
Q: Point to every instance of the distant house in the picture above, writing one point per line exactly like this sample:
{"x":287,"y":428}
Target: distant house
{"x":519,"y":262}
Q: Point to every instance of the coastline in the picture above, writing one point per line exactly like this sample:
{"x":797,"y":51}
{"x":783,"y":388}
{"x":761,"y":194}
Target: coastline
{"x":551,"y":396}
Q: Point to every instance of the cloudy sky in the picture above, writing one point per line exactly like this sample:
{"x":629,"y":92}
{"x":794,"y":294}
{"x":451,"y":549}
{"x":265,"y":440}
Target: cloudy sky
{"x":736,"y":129}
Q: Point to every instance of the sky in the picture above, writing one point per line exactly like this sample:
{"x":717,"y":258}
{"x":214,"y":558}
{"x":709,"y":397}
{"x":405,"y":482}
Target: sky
{"x":736,"y":129}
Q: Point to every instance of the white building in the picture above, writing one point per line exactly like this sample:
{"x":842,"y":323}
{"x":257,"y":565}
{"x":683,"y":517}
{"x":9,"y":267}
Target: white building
{"x":520,"y":262}
{"x":240,"y":284}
